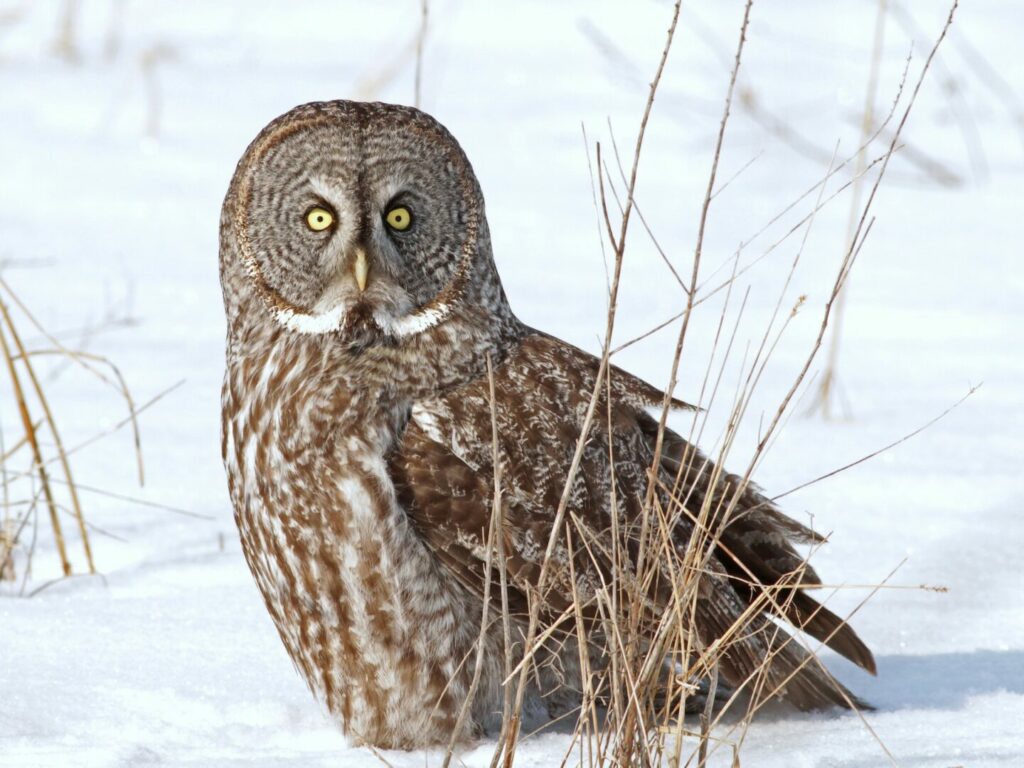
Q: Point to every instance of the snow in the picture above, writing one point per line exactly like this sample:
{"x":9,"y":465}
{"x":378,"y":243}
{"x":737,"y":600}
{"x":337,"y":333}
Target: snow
{"x":170,"y":659}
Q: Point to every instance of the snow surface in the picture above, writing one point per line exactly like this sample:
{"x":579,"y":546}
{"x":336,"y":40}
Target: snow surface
{"x":171,"y":659}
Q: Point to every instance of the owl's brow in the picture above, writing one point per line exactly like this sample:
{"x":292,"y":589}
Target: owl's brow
{"x":323,"y":187}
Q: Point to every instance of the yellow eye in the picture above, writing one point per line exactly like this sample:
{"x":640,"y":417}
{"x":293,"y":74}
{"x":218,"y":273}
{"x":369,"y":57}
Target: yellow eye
{"x":399,"y":218}
{"x":319,"y":219}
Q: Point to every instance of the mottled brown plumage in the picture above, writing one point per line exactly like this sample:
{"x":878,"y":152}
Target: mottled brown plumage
{"x":357,"y":439}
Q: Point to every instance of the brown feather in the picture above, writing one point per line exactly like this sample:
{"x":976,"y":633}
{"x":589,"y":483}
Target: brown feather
{"x":357,"y":441}
{"x":443,"y":469}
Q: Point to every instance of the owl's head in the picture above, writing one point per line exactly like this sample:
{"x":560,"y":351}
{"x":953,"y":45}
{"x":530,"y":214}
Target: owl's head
{"x":359,"y":219}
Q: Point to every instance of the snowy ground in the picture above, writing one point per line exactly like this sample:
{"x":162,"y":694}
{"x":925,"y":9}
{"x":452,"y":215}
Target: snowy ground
{"x":171,"y":659}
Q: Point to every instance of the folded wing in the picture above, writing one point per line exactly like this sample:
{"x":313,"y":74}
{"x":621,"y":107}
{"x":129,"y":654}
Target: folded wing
{"x":444,"y":472}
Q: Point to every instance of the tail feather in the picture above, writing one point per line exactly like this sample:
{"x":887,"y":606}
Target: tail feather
{"x":757,"y":564}
{"x":755,"y":571}
{"x":810,"y":616}
{"x":766,"y":661}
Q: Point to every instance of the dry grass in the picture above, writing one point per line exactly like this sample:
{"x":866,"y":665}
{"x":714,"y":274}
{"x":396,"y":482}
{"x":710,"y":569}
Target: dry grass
{"x":633,"y":711}
{"x":634,"y":707}
{"x":828,"y":385}
{"x":37,"y":476}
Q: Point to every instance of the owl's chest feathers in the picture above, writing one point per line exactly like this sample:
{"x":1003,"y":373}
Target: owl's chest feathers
{"x":357,"y":598}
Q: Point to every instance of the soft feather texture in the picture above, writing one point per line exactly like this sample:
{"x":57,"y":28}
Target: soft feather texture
{"x":359,"y":455}
{"x":443,"y":469}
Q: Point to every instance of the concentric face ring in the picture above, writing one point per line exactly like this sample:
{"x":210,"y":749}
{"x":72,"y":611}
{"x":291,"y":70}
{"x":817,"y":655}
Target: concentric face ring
{"x":352,"y":153}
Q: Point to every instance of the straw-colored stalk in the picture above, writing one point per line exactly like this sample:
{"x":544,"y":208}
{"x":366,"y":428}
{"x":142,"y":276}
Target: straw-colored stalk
{"x":828,"y":386}
{"x":633,"y":709}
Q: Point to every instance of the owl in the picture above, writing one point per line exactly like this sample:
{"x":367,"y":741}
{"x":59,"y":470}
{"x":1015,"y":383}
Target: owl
{"x":363,"y":309}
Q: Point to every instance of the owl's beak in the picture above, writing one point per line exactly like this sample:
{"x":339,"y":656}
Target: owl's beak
{"x":360,"y":268}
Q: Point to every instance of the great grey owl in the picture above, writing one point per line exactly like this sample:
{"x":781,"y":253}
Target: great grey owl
{"x":363,"y":304}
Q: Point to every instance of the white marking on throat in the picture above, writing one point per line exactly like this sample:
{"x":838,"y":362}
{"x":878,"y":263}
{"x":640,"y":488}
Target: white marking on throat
{"x":311,"y":324}
{"x":416,"y":322}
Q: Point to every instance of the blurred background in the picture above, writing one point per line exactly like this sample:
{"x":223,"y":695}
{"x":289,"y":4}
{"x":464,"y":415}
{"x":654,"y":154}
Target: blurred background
{"x":120,"y":125}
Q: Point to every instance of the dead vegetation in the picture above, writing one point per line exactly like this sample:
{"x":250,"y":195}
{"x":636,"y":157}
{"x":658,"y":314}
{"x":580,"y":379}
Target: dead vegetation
{"x":828,"y":386}
{"x":634,"y":709}
{"x":37,"y":477}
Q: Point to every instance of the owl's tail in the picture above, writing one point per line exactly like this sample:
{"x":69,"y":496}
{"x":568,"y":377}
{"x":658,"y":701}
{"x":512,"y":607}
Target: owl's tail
{"x":760,"y":567}
{"x":766,"y":661}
